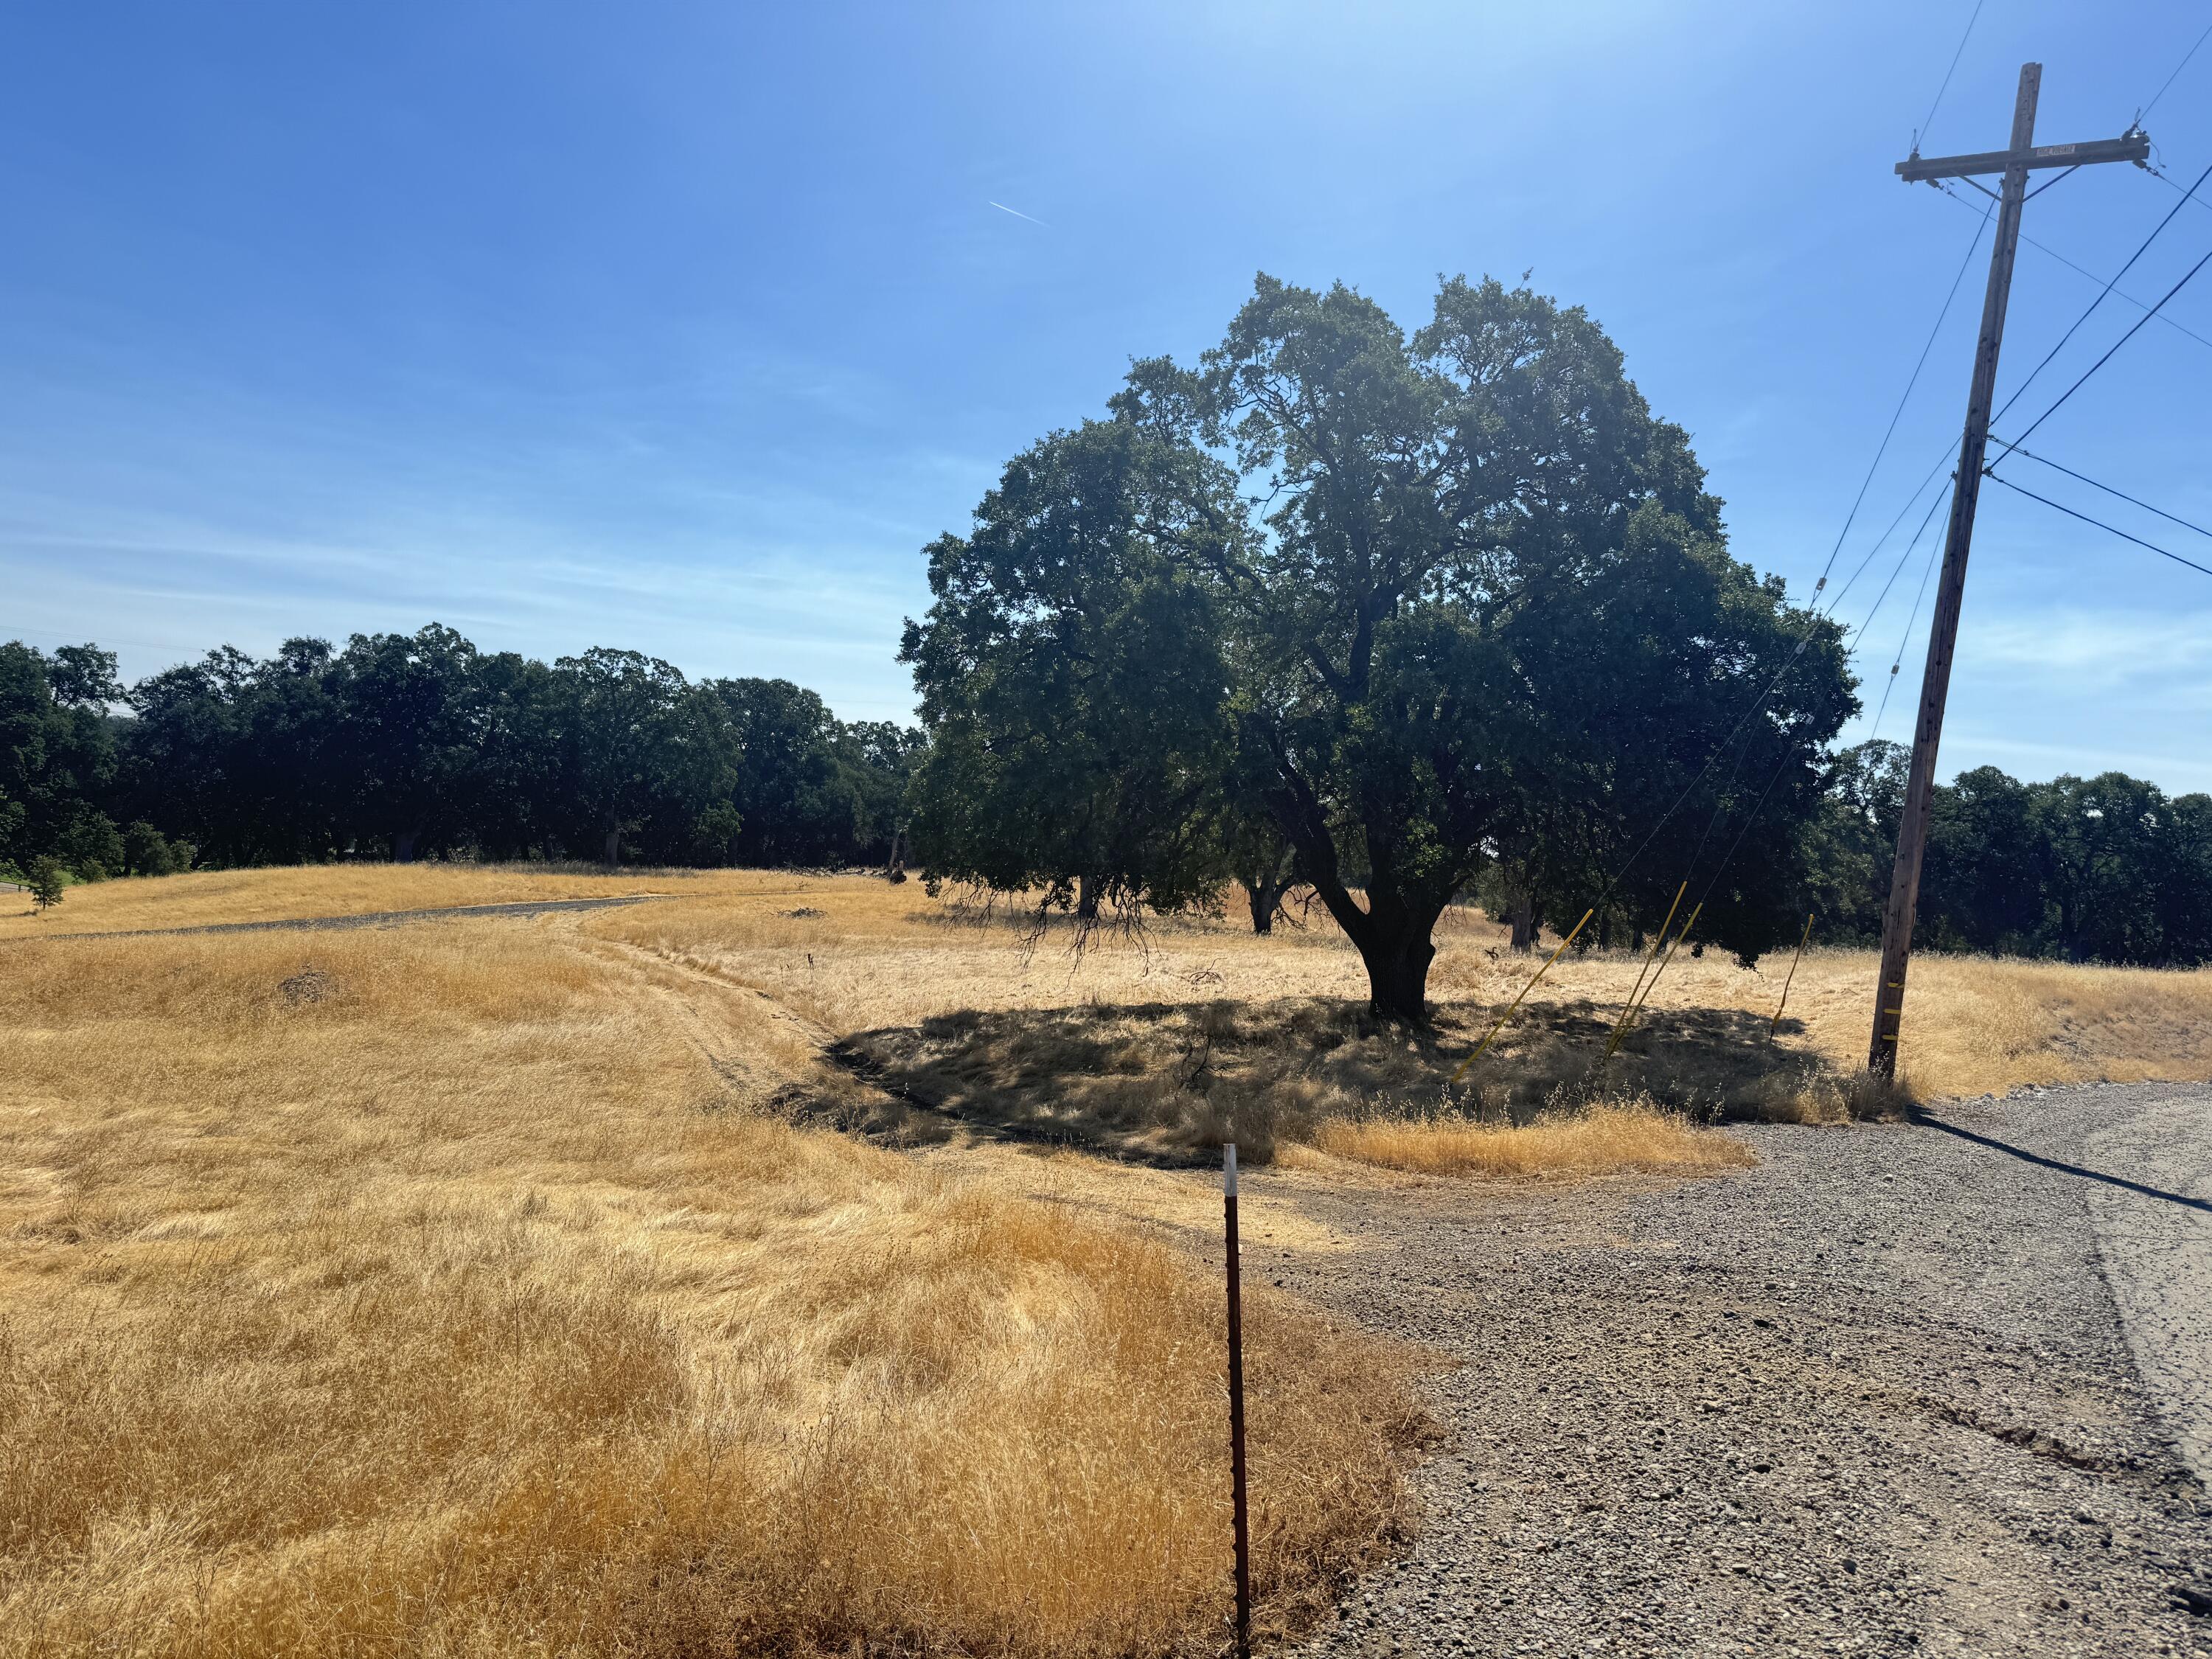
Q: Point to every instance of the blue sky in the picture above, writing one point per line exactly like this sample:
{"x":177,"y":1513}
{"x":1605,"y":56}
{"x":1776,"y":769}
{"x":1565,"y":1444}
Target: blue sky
{"x":684,"y":326}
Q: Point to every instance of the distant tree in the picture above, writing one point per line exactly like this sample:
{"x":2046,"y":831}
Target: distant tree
{"x":2110,"y":846}
{"x":91,"y":846}
{"x":57,"y":753}
{"x":1988,"y":867}
{"x":2188,"y":896}
{"x":147,"y":852}
{"x":243,"y":758}
{"x":880,"y":758}
{"x":45,"y":879}
{"x":645,"y":754}
{"x":412,"y":722}
{"x":1265,"y":863}
{"x":517,"y":809}
{"x":1848,"y":846}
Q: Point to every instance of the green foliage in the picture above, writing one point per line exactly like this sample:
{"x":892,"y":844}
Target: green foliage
{"x":816,"y":792}
{"x":420,"y":745}
{"x":91,"y":848}
{"x":147,"y":852}
{"x":643,"y":753}
{"x":45,"y":878}
{"x":2106,"y":869}
{"x":57,"y":753}
{"x":1071,"y":675}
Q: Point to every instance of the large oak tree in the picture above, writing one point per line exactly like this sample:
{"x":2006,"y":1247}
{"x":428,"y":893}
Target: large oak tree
{"x":1448,"y":601}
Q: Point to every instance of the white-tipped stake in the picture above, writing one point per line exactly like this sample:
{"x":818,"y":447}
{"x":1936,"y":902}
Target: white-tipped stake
{"x":1229,"y":1168}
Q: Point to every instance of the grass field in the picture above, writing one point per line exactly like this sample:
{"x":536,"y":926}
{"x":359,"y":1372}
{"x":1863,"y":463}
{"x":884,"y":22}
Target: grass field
{"x":439,"y":1289}
{"x":496,"y":1285}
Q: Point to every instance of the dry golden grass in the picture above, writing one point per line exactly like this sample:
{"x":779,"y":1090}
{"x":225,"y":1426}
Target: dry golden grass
{"x":468,"y":1289}
{"x":445,"y":1290}
{"x":1615,"y":1139}
{"x":888,"y":961}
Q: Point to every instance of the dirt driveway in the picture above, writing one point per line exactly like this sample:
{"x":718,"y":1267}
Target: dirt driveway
{"x":1900,"y":1390}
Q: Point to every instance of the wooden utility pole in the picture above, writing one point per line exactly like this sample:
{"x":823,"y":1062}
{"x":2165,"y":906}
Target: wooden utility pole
{"x":2015,"y":163}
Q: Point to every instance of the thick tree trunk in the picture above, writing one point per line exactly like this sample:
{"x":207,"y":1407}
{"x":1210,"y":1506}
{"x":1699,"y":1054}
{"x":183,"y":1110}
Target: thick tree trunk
{"x":404,"y":846}
{"x":1265,"y":895}
{"x":1525,"y":923}
{"x":1263,"y":898}
{"x":1086,"y":899}
{"x":1392,"y":935}
{"x":614,"y":845}
{"x":1398,"y":976}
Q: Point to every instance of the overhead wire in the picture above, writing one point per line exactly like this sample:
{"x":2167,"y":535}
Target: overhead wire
{"x":1973,"y":17}
{"x":2159,"y":174}
{"x":2170,"y":518}
{"x":2108,"y":288}
{"x":2103,"y":294}
{"x":1912,"y":618}
{"x":2015,"y":443}
{"x":2178,"y":68}
{"x":2164,"y":553}
{"x":1814,"y":615}
{"x":2047,"y":184}
{"x":2084,"y":271}
{"x":1898,"y":568}
{"x":1781,"y":765}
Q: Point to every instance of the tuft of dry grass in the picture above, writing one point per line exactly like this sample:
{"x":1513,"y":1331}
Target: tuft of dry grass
{"x":1614,"y":1138}
{"x":452,"y":1290}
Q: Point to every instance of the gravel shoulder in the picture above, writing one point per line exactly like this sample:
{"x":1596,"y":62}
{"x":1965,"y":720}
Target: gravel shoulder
{"x":1901,"y":1389}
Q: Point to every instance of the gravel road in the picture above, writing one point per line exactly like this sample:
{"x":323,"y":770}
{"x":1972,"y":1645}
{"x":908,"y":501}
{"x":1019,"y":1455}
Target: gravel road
{"x":1900,"y":1389}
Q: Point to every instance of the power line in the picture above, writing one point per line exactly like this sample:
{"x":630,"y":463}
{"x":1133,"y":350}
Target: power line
{"x":1898,"y":569}
{"x":1896,"y":413}
{"x":2178,"y":68}
{"x":1904,"y":639}
{"x":2084,"y":271}
{"x":1813,"y":616}
{"x":2000,"y":478}
{"x":2122,"y":494}
{"x":1789,"y":753}
{"x":2102,"y":294}
{"x":2189,"y":195}
{"x":2107,"y":357}
{"x":1948,"y":73}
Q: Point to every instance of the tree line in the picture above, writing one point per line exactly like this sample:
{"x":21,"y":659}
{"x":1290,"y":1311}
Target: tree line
{"x":415,"y":745}
{"x":2104,"y":869}
{"x":1394,"y":618}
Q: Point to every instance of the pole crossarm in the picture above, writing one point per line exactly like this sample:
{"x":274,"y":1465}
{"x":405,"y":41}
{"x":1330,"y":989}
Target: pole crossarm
{"x":2133,"y":145}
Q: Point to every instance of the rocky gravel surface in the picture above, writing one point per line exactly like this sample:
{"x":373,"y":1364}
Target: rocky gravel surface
{"x":1881,"y":1395}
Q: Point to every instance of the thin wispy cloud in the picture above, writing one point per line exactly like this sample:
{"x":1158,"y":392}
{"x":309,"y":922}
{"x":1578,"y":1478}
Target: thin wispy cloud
{"x":1018,"y":214}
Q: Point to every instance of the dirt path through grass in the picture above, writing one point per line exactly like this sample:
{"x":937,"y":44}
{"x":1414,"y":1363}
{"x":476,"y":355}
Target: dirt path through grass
{"x":372,"y":918}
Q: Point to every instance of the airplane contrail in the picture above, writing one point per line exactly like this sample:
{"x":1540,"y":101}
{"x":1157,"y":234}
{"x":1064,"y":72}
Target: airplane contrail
{"x":1003,"y":208}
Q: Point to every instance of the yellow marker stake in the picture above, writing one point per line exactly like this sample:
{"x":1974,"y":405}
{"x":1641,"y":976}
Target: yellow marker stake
{"x":1525,"y":989}
{"x":1775,"y":1025}
{"x":1636,"y":990}
{"x":1654,"y":986}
